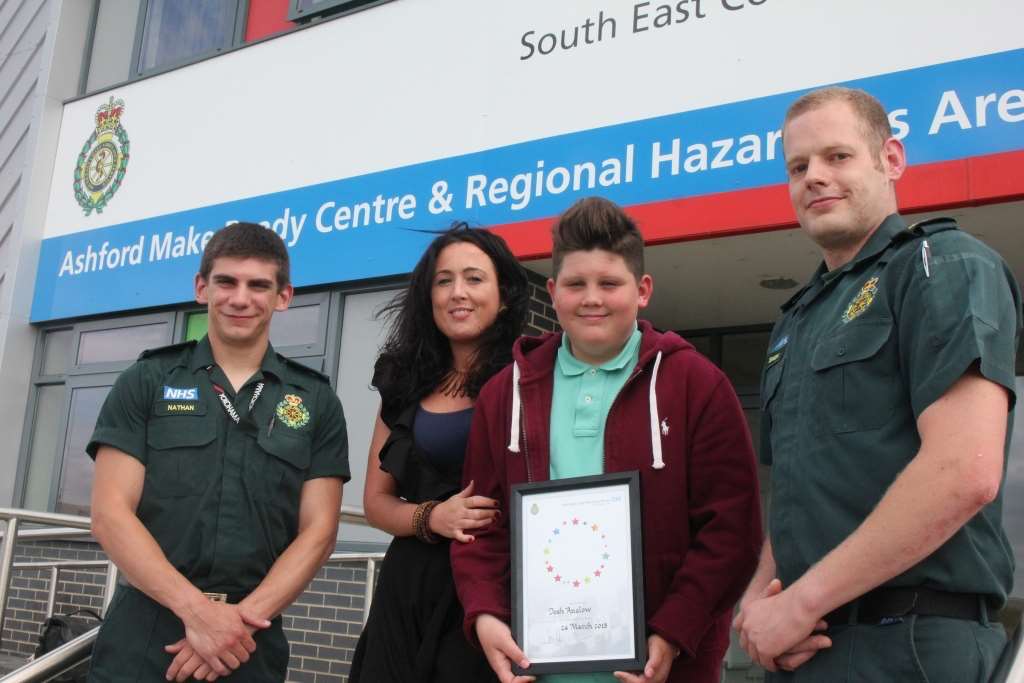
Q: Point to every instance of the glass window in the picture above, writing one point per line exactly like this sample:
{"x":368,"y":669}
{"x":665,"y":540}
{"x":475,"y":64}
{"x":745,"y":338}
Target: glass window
{"x":120,"y":343}
{"x":57,"y":351}
{"x":301,"y":10}
{"x":196,"y":327}
{"x":77,"y":470}
{"x":176,"y":31}
{"x":111,"y":59}
{"x":702,"y":344}
{"x":45,"y":446}
{"x":296,"y":326}
{"x":743,"y":357}
{"x":362,"y":334}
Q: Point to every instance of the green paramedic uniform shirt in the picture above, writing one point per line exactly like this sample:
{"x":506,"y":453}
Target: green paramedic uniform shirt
{"x":856,"y":358}
{"x":220,"y":498}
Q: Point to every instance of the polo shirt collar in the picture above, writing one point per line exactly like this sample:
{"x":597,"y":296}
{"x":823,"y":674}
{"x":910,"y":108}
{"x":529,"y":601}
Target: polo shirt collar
{"x":570,"y":366}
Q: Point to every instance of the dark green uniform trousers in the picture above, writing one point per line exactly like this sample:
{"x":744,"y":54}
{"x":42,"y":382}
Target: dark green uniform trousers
{"x":130,"y":645}
{"x":914,"y":650}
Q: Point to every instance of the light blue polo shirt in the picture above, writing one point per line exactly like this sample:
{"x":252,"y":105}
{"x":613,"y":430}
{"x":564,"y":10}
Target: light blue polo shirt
{"x":580,"y":402}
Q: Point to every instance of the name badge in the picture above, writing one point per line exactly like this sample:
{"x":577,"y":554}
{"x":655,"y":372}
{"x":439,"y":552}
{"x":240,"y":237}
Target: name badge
{"x":179,"y":408}
{"x":181,"y":393}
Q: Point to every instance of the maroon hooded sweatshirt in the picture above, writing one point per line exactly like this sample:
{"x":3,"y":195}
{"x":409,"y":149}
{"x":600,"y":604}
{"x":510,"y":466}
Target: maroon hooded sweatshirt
{"x":677,"y":420}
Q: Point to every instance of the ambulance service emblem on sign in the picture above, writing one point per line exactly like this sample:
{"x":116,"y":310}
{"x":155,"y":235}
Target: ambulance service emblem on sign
{"x":101,"y":164}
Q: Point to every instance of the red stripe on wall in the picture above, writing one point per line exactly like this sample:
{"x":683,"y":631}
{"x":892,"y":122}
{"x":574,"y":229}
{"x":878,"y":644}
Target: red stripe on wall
{"x":926,"y":187}
{"x":266,"y":17}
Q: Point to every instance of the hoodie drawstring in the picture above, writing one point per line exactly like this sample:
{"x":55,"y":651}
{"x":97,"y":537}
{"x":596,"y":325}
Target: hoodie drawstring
{"x":658,"y":463}
{"x":513,"y":441}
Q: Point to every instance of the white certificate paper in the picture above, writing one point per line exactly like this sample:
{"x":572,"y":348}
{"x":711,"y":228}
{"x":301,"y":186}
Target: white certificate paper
{"x":577,"y":575}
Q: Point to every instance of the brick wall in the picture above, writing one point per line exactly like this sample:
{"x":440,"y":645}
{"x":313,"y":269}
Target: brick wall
{"x":322,"y":626}
{"x":26,"y":603}
{"x":541,"y":317}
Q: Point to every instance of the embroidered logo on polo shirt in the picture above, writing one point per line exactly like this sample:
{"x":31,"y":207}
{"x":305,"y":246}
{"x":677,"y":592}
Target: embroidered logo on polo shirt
{"x":291,"y":412}
{"x":181,"y":393}
{"x":862,"y":301}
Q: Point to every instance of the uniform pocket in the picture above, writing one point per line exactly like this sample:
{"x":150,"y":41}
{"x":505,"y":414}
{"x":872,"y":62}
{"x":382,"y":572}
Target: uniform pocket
{"x":852,"y":386}
{"x":179,"y":455}
{"x":278,"y":467}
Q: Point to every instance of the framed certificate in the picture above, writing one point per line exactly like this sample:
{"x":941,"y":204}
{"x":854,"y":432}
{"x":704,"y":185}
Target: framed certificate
{"x":577,"y":574}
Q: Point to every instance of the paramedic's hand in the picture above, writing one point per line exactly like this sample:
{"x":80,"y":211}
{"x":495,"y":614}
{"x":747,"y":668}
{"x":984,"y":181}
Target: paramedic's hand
{"x":777,"y":632}
{"x":187,"y":664}
{"x":461,"y":513}
{"x":500,"y":649}
{"x":660,"y":654}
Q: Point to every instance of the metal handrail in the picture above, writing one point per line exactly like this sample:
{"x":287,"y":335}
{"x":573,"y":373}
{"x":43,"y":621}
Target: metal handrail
{"x":371,"y":560}
{"x":55,"y":662}
{"x":78,"y":650}
{"x":13,"y":519}
{"x":55,"y":567}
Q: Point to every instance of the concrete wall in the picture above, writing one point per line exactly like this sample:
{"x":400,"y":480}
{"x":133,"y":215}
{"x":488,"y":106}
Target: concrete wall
{"x":42,"y":44}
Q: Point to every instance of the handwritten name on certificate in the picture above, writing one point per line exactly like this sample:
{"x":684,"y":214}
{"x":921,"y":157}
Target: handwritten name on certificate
{"x":577,"y":575}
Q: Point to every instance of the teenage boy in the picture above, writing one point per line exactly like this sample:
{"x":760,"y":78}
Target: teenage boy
{"x":219,"y":467}
{"x":611,"y":394}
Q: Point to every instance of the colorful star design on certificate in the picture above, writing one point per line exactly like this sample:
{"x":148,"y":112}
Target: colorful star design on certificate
{"x":576,"y":526}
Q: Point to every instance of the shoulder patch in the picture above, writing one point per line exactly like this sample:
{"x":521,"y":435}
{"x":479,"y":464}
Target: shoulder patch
{"x":171,"y":348}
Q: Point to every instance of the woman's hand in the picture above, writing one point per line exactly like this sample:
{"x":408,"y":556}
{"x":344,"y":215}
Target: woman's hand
{"x":463,"y":512}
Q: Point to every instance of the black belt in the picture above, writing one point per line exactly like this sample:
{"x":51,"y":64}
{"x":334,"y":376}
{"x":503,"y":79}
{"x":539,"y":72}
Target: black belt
{"x":883,"y":604}
{"x":229,"y":598}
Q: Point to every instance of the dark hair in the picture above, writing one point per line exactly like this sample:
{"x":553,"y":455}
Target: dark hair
{"x":869,"y":111}
{"x":416,"y":355}
{"x":246,"y":240}
{"x":596,"y":223}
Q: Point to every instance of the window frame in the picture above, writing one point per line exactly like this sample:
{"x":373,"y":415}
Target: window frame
{"x":236,"y":39}
{"x":75,"y":368}
{"x":301,"y":11}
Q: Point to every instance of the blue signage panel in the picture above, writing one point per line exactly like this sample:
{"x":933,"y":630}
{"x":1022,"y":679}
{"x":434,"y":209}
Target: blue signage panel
{"x":378,"y":224}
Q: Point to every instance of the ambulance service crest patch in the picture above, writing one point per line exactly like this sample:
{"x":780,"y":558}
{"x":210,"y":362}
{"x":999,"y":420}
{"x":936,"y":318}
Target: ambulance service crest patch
{"x":863,"y":299}
{"x":101,"y":165}
{"x":291,"y":412}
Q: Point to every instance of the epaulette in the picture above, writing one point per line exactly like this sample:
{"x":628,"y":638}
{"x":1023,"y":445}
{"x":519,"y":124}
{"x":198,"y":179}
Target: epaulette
{"x":180,"y":346}
{"x":793,"y":299}
{"x":296,"y":365}
{"x":933,"y":225}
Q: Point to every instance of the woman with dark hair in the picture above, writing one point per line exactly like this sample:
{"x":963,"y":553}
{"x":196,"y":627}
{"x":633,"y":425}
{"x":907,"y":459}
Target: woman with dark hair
{"x":449,"y":332}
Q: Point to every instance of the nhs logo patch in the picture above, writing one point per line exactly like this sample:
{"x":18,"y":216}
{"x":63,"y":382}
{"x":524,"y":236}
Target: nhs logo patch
{"x":181,"y":393}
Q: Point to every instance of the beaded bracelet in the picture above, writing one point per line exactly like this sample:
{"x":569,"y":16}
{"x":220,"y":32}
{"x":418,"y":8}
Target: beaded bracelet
{"x":421,"y":521}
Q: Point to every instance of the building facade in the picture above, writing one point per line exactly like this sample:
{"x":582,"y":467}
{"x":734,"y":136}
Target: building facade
{"x":130,"y":130}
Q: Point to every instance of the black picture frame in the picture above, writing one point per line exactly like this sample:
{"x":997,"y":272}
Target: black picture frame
{"x":519,"y":494}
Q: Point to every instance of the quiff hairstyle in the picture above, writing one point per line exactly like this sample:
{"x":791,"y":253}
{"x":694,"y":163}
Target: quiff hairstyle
{"x":870,"y":112}
{"x":247,"y":240}
{"x":596,"y":223}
